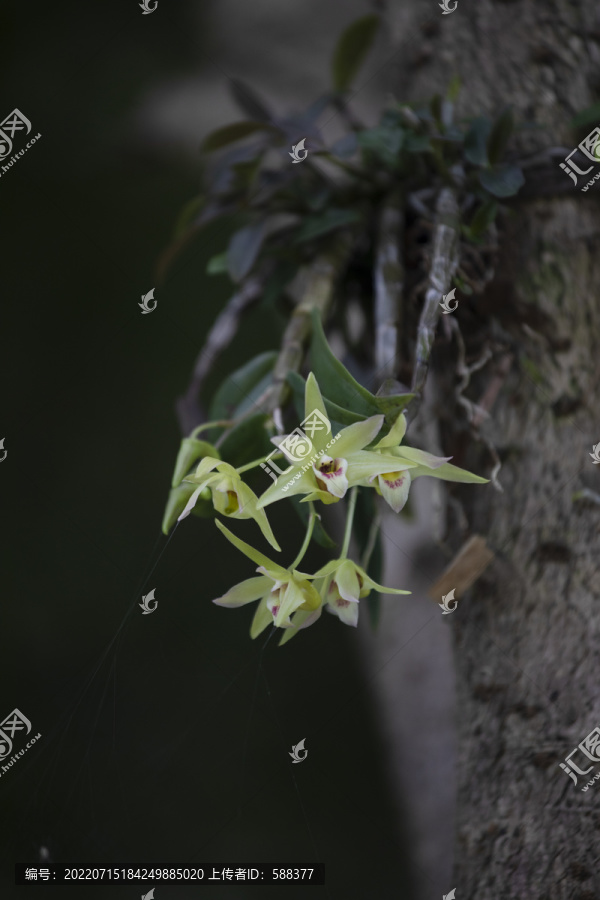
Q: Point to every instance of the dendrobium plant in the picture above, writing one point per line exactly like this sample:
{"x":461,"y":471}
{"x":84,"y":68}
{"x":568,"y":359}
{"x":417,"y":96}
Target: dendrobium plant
{"x":288,"y":598}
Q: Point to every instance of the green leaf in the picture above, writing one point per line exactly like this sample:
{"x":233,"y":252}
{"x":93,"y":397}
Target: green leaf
{"x":588,"y":116}
{"x":453,"y":92}
{"x":315,"y":226}
{"x":244,"y":247}
{"x":351,"y":50}
{"x":217,"y":265}
{"x":503,"y":181}
{"x":230,"y":133}
{"x":249,"y":101}
{"x":483,"y":218}
{"x":476,"y":141}
{"x":417,"y":143}
{"x":385,"y":143}
{"x":435,"y":105}
{"x":337,"y":383}
{"x":247,"y":441}
{"x":190,"y":452}
{"x":499,"y":137}
{"x":319,"y":534}
{"x":237,"y":386}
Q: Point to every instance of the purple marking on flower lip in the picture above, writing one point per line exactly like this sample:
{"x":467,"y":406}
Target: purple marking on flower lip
{"x":342,"y":602}
{"x":395,"y":483}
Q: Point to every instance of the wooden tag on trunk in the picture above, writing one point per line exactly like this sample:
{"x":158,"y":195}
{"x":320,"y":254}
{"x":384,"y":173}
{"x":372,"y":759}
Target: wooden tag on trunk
{"x":469,"y":563}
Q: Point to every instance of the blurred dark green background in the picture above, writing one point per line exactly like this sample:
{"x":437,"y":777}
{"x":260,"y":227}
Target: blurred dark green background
{"x":152,"y":749}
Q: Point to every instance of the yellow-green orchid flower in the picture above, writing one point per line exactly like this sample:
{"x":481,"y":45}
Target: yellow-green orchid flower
{"x":230,"y":495}
{"x":395,"y":484}
{"x":327,"y":478}
{"x":281,"y":592}
{"x":342,"y":583}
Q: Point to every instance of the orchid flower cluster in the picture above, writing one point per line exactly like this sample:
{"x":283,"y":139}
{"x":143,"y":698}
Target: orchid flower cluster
{"x":287,"y":597}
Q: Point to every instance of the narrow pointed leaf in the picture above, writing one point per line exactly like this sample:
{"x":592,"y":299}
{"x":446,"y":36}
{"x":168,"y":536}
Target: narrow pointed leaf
{"x":499,"y":137}
{"x":230,"y":133}
{"x":351,"y":50}
{"x":237,"y":386}
{"x":243,"y":249}
{"x":249,"y":101}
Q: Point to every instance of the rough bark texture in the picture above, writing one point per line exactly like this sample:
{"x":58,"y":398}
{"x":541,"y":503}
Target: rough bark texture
{"x":526,"y":636}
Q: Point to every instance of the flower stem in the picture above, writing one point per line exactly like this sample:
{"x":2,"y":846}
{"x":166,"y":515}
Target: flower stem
{"x":221,"y":423}
{"x":307,"y":537}
{"x":349,"y":521}
{"x":373,"y":532}
{"x":257,"y":462}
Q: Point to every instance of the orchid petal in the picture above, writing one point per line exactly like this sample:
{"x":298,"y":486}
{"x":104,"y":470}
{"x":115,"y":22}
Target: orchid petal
{"x":286,"y":486}
{"x":247,"y":502}
{"x":422,"y":458}
{"x":255,"y":555}
{"x":396,"y":433}
{"x":367,"y":464}
{"x":344,"y":610}
{"x":206,"y":465}
{"x":192,"y":501}
{"x":313,"y":402}
{"x":449,"y":472}
{"x":301,"y":619}
{"x":331,"y":474}
{"x":357,"y":436}
{"x":394,"y":487}
{"x":262,"y":618}
{"x":292,"y":599}
{"x":245,"y":592}
{"x":324,"y":496}
{"x":347,"y":581}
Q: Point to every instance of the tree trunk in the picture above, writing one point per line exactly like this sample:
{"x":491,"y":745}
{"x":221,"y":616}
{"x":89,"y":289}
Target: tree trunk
{"x":525,"y":636}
